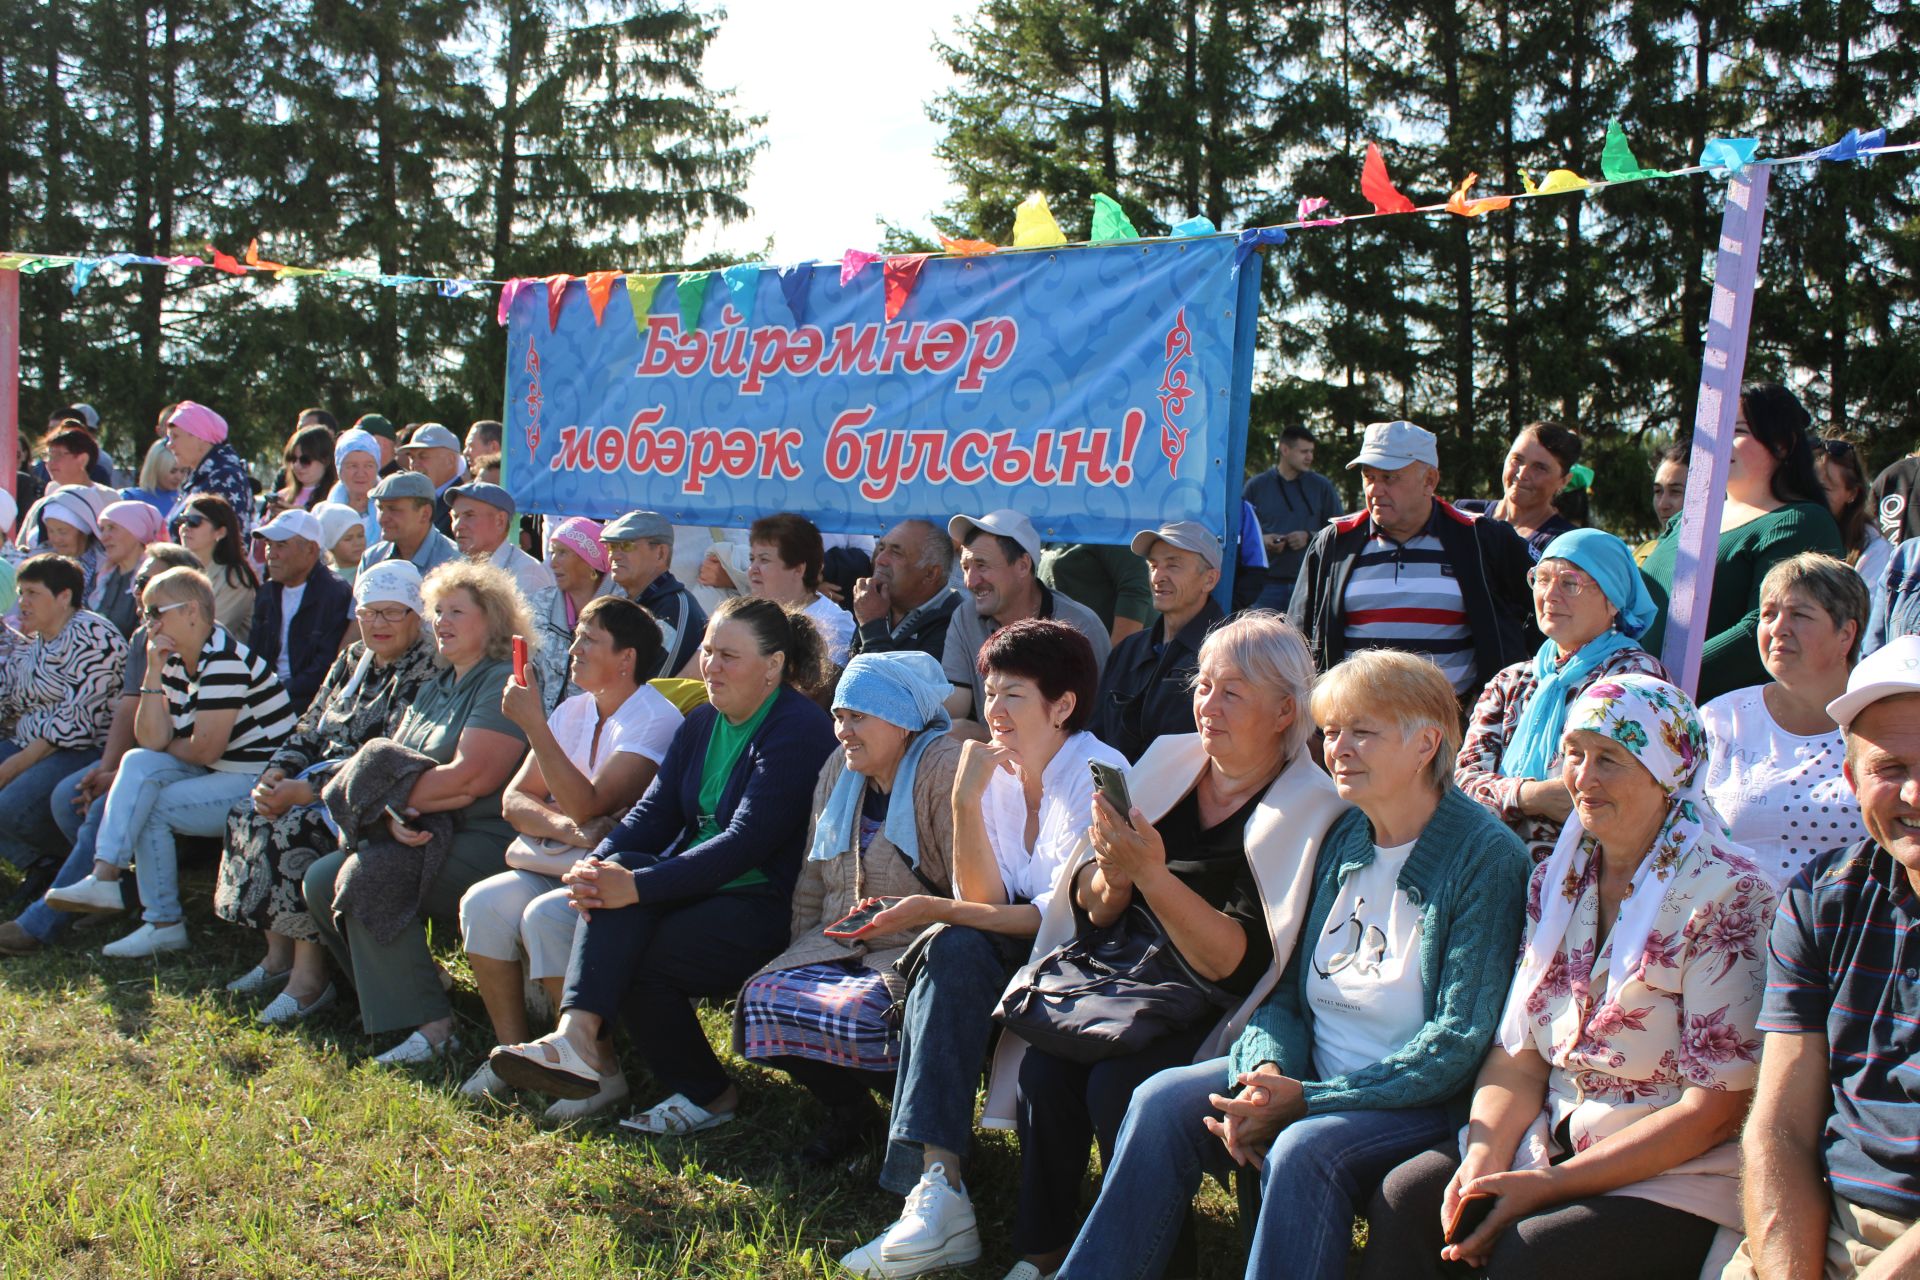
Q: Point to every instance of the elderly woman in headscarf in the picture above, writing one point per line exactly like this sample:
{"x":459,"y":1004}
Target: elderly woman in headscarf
{"x":882,"y":833}
{"x":198,"y":437}
{"x":356,"y":459}
{"x":68,"y":524}
{"x":1606,"y":1121}
{"x":127,"y":529}
{"x":1591,"y":603}
{"x":278,"y":832}
{"x":578,"y":562}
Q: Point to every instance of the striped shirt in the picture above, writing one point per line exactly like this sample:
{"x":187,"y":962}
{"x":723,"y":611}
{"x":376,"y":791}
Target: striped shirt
{"x":1845,"y":964}
{"x":1403,"y":595}
{"x":231,"y":678}
{"x":62,"y":690}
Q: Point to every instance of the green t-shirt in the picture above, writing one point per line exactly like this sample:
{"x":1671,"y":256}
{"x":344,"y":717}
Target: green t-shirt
{"x":445,"y":708}
{"x":729,"y":740}
{"x":1111,"y":581}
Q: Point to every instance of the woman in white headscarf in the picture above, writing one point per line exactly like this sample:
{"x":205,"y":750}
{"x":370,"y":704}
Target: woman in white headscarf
{"x":1607,"y":1118}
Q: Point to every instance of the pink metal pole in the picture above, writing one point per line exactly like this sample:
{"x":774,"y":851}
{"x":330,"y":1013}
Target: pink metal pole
{"x":9,"y":379}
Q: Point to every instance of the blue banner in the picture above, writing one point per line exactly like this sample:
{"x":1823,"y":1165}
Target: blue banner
{"x":1100,"y":390}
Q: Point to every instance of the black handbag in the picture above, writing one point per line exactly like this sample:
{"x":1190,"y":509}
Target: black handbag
{"x":1108,"y":992}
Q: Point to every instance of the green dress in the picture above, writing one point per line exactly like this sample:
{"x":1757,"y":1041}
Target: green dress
{"x":1730,"y":659}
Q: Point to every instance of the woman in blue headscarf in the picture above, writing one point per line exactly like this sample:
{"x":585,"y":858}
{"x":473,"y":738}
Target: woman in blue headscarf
{"x":882,"y":829}
{"x":1591,"y":603}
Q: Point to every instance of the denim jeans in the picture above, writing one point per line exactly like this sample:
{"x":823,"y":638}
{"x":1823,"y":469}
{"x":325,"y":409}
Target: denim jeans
{"x":27,"y":829}
{"x":45,"y":922}
{"x":1319,"y":1171}
{"x":943,"y":1046}
{"x":154,"y":797}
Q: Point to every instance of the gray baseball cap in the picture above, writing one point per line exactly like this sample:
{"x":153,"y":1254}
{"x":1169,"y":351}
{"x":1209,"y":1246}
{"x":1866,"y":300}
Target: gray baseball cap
{"x":1188,"y":535}
{"x":1006,"y":522}
{"x":638,"y":526}
{"x":480,"y":491}
{"x":432,"y":436}
{"x":404,"y":484}
{"x":1393,"y":445}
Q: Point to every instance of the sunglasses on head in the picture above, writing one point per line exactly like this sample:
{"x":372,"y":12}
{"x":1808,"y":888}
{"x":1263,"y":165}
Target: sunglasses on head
{"x":1837,"y":448}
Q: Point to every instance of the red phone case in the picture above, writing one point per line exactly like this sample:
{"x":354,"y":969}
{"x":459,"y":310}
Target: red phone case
{"x":519,"y":659}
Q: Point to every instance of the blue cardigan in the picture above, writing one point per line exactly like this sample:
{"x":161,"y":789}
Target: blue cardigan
{"x":1468,"y":875}
{"x":763,"y":813}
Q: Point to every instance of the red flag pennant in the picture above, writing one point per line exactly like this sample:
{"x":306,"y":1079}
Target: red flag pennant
{"x":225,"y":262}
{"x":899,"y":274}
{"x":599,"y":289}
{"x":1376,"y":186}
{"x":556,"y":294}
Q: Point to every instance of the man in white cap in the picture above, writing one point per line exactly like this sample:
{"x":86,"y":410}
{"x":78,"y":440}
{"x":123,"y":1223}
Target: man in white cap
{"x":403,"y":503}
{"x":482,"y":516}
{"x":999,"y":559}
{"x":1412,"y":572}
{"x":1145,"y":692}
{"x":1830,"y":1178}
{"x":301,"y":611}
{"x":434,"y":452}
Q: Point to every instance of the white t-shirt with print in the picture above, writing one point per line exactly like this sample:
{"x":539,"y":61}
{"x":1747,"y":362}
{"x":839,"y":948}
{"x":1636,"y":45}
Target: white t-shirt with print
{"x":1783,"y":795}
{"x":1364,"y":984}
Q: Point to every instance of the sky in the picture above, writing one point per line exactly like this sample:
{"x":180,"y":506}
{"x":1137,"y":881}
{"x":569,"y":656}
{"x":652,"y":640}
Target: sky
{"x":843,"y":88}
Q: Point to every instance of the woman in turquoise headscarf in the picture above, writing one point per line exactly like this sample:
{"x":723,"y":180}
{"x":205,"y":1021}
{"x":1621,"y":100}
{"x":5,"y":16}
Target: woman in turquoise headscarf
{"x":1591,"y":604}
{"x":882,"y":828}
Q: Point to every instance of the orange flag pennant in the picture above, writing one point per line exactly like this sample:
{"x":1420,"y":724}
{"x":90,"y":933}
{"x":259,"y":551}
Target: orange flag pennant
{"x":968,"y":248}
{"x":1458,"y":202}
{"x":599,"y":289}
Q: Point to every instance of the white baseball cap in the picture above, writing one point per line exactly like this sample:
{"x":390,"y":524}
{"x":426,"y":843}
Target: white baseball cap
{"x":292,"y":524}
{"x":1885,"y":673}
{"x":1393,"y":445}
{"x":1005,"y":522}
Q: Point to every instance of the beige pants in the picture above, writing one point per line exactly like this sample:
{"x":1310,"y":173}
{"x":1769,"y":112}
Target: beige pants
{"x":1855,"y":1237}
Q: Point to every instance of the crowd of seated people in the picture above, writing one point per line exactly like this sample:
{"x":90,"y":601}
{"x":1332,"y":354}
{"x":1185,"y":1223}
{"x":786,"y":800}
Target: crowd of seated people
{"x":1460,"y":916}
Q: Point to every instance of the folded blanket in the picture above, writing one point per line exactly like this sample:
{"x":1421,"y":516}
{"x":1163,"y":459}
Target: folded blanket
{"x":383,"y":882}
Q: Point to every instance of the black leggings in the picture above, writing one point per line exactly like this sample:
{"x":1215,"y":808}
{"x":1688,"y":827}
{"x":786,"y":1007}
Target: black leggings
{"x":1602,"y":1238}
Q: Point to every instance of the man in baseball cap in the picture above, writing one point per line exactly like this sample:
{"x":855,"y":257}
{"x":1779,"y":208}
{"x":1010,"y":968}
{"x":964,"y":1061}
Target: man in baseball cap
{"x":1146,"y":689}
{"x":1828,"y":1166}
{"x":301,"y":611}
{"x":999,"y":563}
{"x":403,"y":503}
{"x":434,"y":452}
{"x":482,"y":518}
{"x":639,"y":552}
{"x":1413,"y":572}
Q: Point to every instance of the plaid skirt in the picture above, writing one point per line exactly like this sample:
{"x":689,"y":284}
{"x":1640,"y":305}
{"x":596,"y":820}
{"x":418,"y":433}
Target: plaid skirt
{"x":830,"y":1013}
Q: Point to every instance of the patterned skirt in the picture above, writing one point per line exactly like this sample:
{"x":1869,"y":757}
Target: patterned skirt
{"x":263,"y":865}
{"x":830,"y":1013}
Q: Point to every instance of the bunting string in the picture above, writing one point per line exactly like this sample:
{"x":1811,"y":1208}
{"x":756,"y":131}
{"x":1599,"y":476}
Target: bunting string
{"x":1035,"y":231}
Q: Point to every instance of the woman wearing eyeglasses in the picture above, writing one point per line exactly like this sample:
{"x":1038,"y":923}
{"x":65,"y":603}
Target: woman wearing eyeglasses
{"x":309,"y":476}
{"x":207,"y":526}
{"x":1590,"y":603}
{"x":278,"y":831}
{"x":211,"y":715}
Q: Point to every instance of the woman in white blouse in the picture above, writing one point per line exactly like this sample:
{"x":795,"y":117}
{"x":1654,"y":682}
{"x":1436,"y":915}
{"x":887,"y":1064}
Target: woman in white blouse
{"x":1773,"y":767}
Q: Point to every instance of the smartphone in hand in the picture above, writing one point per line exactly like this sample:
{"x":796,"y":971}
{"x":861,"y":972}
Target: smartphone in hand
{"x":859,"y":918}
{"x":1112,"y":784}
{"x":1468,"y":1213}
{"x":397,"y":816}
{"x":520,"y":661}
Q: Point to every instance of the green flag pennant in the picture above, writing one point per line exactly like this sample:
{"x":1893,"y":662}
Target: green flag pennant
{"x":640,"y":291}
{"x":693,"y":293}
{"x":1110,"y":221}
{"x":1617,"y":161}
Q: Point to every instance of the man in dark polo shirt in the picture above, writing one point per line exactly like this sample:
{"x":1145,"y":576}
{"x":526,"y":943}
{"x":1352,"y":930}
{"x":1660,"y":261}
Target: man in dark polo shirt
{"x":1145,"y":692}
{"x":908,"y":601}
{"x":1832,"y":1147}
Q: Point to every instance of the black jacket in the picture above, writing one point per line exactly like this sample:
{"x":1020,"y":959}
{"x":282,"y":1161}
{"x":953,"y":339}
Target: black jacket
{"x":314,"y":637}
{"x":1490,"y":563}
{"x":1144,"y":694}
{"x":928,"y":633}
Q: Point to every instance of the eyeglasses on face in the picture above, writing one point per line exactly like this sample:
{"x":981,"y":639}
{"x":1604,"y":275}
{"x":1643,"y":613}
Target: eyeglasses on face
{"x":390,"y":616}
{"x":153,"y":615}
{"x":1544,"y":581}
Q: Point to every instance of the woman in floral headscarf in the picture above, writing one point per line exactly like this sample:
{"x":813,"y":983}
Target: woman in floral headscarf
{"x":1611,"y":1108}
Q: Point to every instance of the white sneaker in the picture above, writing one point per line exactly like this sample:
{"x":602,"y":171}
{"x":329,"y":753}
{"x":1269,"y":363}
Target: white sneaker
{"x":416,"y":1049}
{"x":257,"y":981}
{"x":1027,"y":1271}
{"x":483,"y":1083}
{"x":88,"y":894}
{"x":284,"y":1009}
{"x":613,"y":1091}
{"x":148,"y":941}
{"x":936,"y":1230}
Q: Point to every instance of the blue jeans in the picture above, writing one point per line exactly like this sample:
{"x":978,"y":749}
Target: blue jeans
{"x":154,"y":797}
{"x":943,"y":1045}
{"x":41,"y":920}
{"x":1318,"y":1173}
{"x":27,"y":830}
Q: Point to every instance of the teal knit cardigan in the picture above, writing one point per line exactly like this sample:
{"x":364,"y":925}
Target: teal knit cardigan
{"x":1468,"y":875}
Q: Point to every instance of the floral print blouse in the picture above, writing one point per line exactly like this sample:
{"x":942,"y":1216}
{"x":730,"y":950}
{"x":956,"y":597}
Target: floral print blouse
{"x":1685,"y":1021}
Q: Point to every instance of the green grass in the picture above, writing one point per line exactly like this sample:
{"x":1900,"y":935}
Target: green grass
{"x":152,"y":1129}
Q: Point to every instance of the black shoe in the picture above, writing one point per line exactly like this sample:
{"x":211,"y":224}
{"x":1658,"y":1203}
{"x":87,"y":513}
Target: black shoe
{"x":35,"y":880}
{"x":845,"y":1132}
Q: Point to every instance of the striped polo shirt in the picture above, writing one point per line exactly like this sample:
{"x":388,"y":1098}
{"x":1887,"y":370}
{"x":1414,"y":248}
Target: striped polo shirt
{"x":231,"y":678}
{"x":1403,"y":595}
{"x":1845,"y":963}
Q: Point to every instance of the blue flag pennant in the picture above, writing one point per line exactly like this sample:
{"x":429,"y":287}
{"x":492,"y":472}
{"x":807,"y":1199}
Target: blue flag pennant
{"x":1253,"y":237}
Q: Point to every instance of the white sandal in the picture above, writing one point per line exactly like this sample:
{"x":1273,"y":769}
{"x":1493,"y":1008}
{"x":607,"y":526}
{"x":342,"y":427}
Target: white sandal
{"x":675,"y":1118}
{"x":527,"y":1066}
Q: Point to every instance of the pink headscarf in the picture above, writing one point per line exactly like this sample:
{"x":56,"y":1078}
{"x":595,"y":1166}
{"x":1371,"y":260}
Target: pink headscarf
{"x":582,"y":537}
{"x":141,"y":519}
{"x":199,"y":422}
